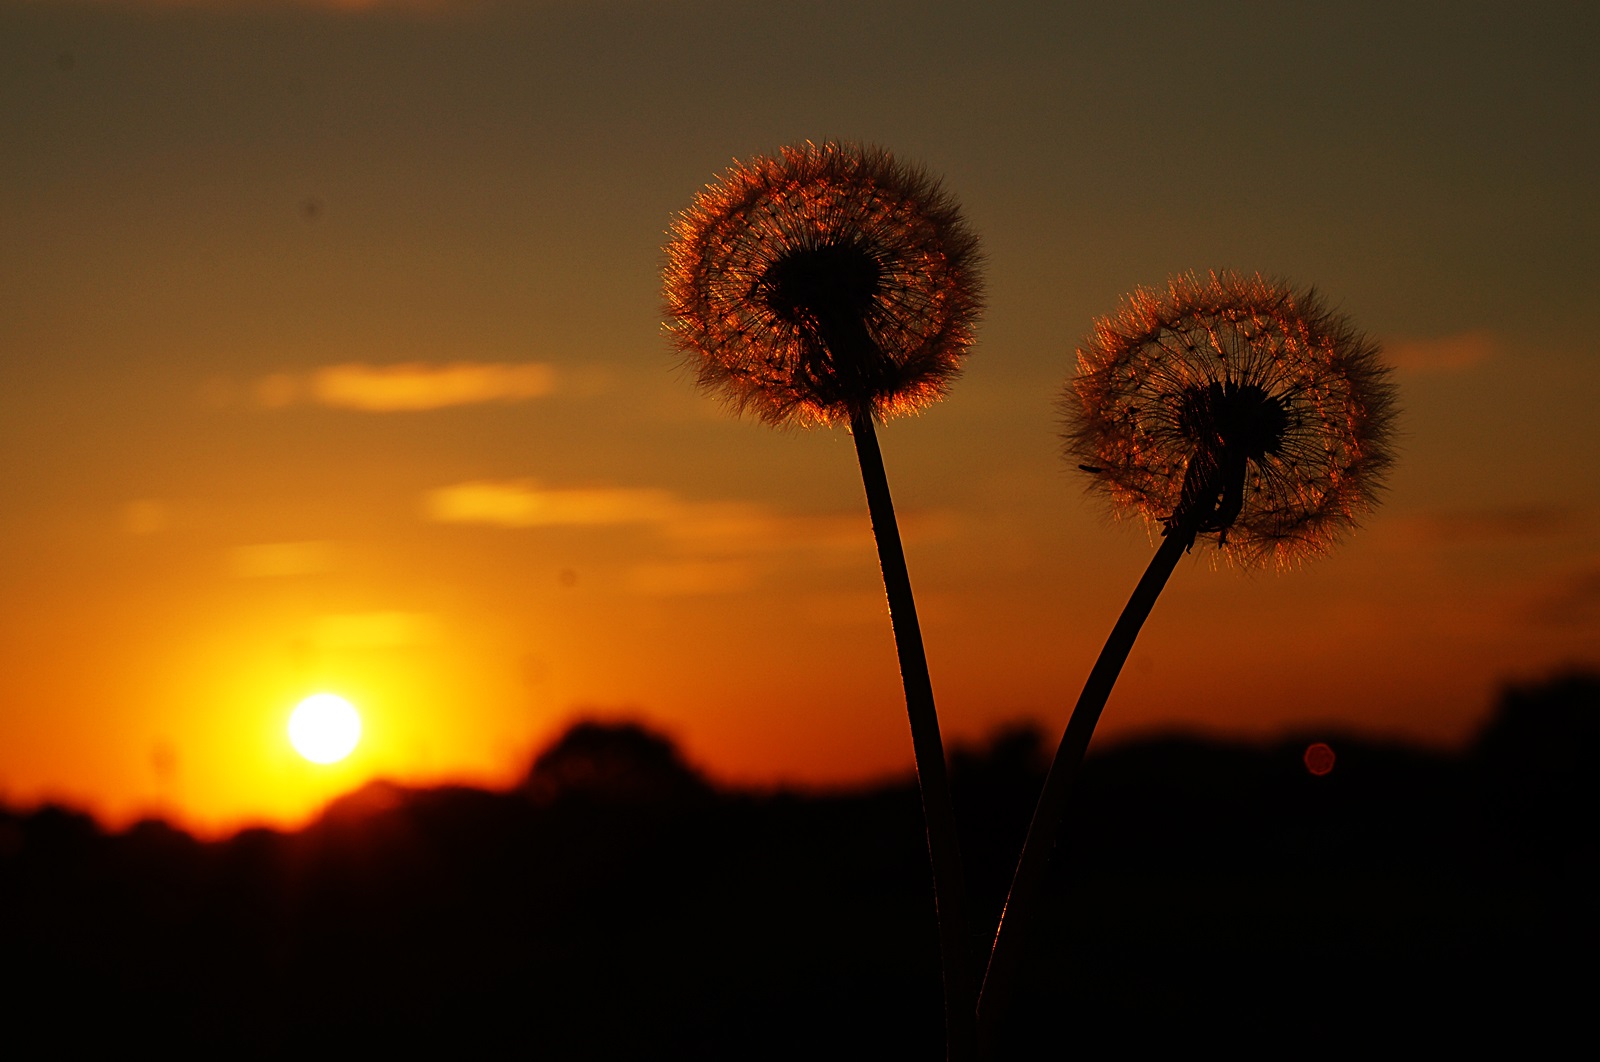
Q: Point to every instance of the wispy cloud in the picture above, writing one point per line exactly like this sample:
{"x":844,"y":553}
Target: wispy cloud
{"x":841,"y":608}
{"x":1499,"y":524}
{"x":276,"y":391}
{"x":407,"y":387}
{"x":375,"y":630}
{"x":1442,"y":354}
{"x":710,"y":547}
{"x":704,"y":527}
{"x":414,"y":386}
{"x":343,"y":7}
{"x":740,"y":527}
{"x":276,"y":560}
{"x":692,"y":578}
{"x":146,"y":516}
{"x":523,"y":503}
{"x":1573,"y":602}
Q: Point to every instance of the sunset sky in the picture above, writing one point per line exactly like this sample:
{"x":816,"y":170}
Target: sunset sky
{"x":332,"y":360}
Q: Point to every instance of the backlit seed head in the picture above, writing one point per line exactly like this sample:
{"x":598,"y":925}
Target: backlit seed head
{"x":1236,"y":409}
{"x":828,"y":282}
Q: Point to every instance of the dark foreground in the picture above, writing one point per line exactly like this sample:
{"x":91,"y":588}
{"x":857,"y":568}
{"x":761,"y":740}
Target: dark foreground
{"x":618,"y":907}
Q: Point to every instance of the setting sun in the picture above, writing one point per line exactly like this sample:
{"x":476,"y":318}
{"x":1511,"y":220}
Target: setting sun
{"x":324,"y":728}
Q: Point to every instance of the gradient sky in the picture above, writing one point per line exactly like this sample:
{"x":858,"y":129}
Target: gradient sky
{"x":332,"y":359}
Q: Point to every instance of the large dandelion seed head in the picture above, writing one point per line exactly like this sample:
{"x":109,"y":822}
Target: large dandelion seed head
{"x":1235,"y":409}
{"x":826,"y":283}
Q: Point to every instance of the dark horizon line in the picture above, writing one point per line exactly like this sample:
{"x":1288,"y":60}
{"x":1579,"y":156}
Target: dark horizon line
{"x":633,"y":754}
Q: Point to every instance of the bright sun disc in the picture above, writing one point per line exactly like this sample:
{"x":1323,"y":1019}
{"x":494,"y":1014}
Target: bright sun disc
{"x":324,"y":728}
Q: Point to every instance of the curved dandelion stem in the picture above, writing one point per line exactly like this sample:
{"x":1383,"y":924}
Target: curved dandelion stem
{"x":960,"y":995}
{"x":1047,"y":815}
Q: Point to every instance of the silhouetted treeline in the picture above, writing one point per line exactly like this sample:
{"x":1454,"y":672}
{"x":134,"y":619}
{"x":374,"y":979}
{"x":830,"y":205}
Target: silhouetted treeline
{"x":619,"y":906}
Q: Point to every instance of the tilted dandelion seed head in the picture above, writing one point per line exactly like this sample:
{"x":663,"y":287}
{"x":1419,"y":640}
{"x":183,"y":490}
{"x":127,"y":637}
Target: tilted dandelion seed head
{"x":827,"y":282}
{"x":1238,"y":405}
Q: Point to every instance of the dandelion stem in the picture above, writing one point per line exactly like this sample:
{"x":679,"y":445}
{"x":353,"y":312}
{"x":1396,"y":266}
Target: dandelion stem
{"x":960,"y":994}
{"x":1046,"y":825}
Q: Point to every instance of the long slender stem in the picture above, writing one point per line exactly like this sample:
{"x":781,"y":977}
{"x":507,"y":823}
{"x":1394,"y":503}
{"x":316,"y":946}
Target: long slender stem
{"x":1047,"y":815}
{"x":949,"y":890}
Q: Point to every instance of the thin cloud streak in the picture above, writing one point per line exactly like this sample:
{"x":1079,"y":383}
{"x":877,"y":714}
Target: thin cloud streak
{"x":1574,"y":601}
{"x":442,"y":8}
{"x":278,"y":560}
{"x":1442,"y":354}
{"x":375,"y":630}
{"x":1508,"y":523}
{"x":742,"y":527}
{"x":146,"y":516}
{"x":408,"y":387}
{"x":692,"y":578}
{"x":703,"y":529}
{"x":415,"y":387}
{"x":522,"y":504}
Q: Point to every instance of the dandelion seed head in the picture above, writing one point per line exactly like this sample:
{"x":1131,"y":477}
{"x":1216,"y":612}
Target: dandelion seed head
{"x":827,"y":282}
{"x":1238,"y":407}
